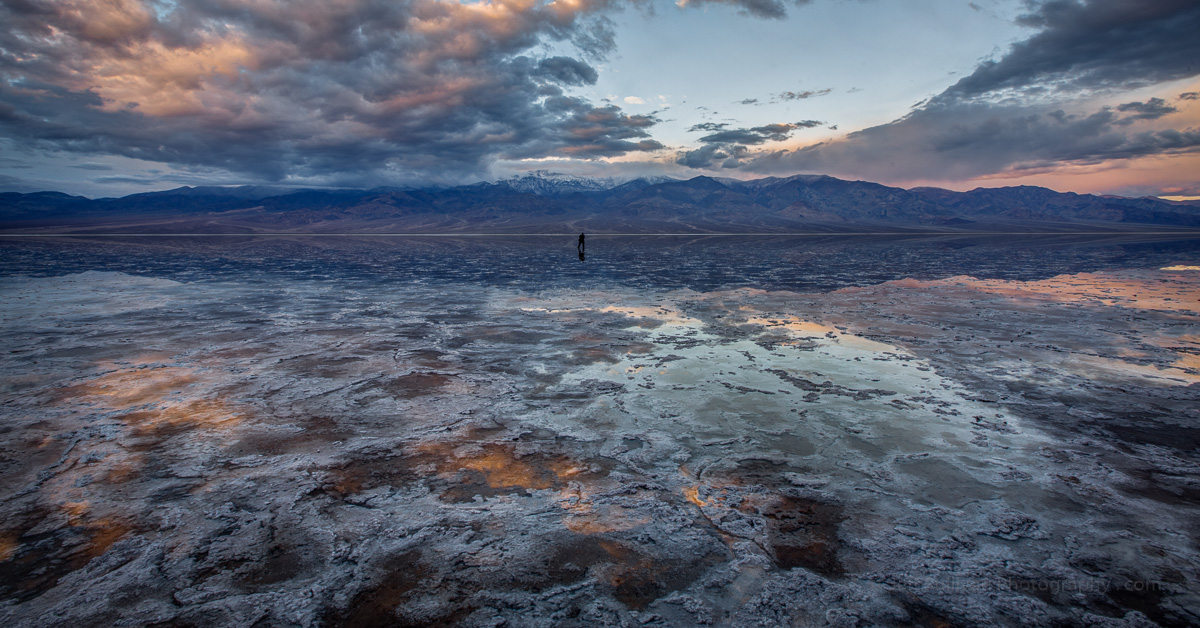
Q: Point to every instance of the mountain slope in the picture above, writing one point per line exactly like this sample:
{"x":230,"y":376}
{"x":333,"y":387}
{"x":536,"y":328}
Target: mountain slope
{"x":540,"y":203}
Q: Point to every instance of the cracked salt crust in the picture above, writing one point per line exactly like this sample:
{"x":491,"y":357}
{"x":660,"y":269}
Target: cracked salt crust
{"x":239,"y":454}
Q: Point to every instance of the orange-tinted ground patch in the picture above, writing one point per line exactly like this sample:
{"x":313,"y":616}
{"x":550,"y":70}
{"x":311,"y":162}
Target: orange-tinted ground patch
{"x":463,"y":471}
{"x":1166,"y":290}
{"x":32,"y":561}
{"x":584,"y":516}
{"x":155,"y":399}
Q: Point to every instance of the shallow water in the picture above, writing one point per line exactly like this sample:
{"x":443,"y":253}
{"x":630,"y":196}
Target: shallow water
{"x":728,"y":430}
{"x":809,"y":264}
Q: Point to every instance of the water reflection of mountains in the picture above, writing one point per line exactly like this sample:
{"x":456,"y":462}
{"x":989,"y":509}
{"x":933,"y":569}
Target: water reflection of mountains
{"x":814,"y":263}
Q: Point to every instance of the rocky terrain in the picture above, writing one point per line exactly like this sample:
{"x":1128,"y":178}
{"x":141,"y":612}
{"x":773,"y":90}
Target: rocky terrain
{"x":312,"y":452}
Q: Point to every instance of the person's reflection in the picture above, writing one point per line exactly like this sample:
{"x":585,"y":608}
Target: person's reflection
{"x":580,"y":247}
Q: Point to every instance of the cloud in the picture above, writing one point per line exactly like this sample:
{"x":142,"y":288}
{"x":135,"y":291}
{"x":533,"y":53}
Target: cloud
{"x":567,"y":71}
{"x":758,"y":134}
{"x":126,"y":179}
{"x":1152,"y":109}
{"x":1190,"y":96}
{"x":769,"y":9}
{"x":713,"y":155}
{"x":1029,"y":111}
{"x":748,"y":101}
{"x":592,"y":131}
{"x":731,"y":146}
{"x":10,"y":183}
{"x":1186,"y":191}
{"x":634,"y":100}
{"x":355,"y":90}
{"x":786,"y":96}
{"x":977,"y":139}
{"x":1092,"y":45}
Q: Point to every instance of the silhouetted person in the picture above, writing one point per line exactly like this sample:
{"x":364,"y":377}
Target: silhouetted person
{"x":581,"y":247}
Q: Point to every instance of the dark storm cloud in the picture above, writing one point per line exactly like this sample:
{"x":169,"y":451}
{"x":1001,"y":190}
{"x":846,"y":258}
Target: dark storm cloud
{"x":568,"y":71}
{"x":976,"y":139}
{"x":713,"y":155}
{"x":1152,"y":109}
{"x":730,"y":146}
{"x":770,"y":9}
{"x":365,"y":89}
{"x":1004,"y":117}
{"x":1097,"y":44}
{"x":16,"y":184}
{"x":1189,"y":96}
{"x":758,"y":134}
{"x":10,"y":163}
{"x":592,"y":132}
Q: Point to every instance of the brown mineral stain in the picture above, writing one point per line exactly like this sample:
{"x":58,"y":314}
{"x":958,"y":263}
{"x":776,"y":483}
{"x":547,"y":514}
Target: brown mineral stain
{"x":103,"y":533}
{"x":31,"y":564}
{"x":156,"y":401}
{"x":501,"y":470}
{"x":123,"y":471}
{"x":638,"y":579}
{"x":415,"y":385}
{"x":495,"y":468}
{"x":183,"y":414}
{"x":8,"y":545}
{"x":801,"y":532}
{"x":127,"y":388}
{"x":465,"y":470}
{"x":584,"y":517}
{"x":381,"y":603}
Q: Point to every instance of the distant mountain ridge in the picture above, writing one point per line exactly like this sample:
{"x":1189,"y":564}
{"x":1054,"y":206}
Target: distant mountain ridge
{"x":550,"y":203}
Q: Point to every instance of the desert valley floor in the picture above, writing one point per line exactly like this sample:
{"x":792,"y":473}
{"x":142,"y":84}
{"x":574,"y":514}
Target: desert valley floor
{"x":187,"y":450}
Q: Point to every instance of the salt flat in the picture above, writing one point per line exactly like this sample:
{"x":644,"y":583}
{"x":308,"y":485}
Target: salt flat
{"x":950,"y":451}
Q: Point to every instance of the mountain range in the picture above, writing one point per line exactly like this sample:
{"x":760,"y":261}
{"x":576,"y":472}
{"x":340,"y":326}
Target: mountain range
{"x":547,"y":203}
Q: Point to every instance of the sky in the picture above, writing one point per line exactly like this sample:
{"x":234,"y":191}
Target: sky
{"x":112,"y":97}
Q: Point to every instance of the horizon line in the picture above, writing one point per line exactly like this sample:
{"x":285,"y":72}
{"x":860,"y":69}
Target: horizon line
{"x":619,"y":181}
{"x":1185,"y":232}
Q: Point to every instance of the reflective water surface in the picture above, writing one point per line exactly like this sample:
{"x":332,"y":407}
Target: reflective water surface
{"x":818,"y":263}
{"x":674,"y":430}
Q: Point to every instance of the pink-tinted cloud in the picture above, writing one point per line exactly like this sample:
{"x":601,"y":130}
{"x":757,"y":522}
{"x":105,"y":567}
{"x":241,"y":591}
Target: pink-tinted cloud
{"x":1042,"y":107}
{"x":359,"y":89}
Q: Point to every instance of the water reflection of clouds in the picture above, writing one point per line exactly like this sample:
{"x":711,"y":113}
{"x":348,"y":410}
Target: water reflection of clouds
{"x":629,"y":441}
